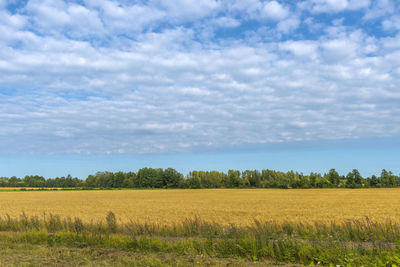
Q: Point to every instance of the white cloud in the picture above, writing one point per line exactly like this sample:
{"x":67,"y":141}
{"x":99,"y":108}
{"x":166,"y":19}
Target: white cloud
{"x":226,"y":22}
{"x":117,"y":77}
{"x":391,"y":23}
{"x":358,"y":4}
{"x":288,"y":25}
{"x":312,"y":25}
{"x":98,"y":18}
{"x":14,"y":21}
{"x":188,"y":9}
{"x":250,"y":8}
{"x":274,"y":11}
{"x":174,"y":93}
{"x":380,"y":8}
{"x":52,"y":16}
{"x":48,"y":13}
{"x":339,"y":50}
{"x":391,"y":42}
{"x":333,"y":6}
{"x":84,"y":21}
{"x":308,"y":49}
{"x":258,"y":10}
{"x":328,"y":5}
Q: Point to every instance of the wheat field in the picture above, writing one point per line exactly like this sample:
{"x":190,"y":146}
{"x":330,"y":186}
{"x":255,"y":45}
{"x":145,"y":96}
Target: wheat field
{"x":240,"y":206}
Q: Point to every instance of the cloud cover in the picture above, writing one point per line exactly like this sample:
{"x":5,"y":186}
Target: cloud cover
{"x":103,"y":77}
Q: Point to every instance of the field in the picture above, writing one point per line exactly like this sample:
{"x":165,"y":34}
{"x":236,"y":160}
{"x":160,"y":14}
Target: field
{"x":221,"y":227}
{"x":240,"y":206}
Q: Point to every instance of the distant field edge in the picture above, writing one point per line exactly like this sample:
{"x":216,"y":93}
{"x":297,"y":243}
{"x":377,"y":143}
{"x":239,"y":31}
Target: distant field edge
{"x":24,"y":189}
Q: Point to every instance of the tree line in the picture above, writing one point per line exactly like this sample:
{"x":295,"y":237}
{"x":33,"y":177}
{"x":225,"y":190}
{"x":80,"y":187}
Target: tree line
{"x":170,"y":178}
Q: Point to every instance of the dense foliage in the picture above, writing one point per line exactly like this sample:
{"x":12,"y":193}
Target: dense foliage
{"x":170,"y":178}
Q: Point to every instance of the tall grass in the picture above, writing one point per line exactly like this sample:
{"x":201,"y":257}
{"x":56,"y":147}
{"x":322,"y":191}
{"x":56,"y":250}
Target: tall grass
{"x":353,"y":243}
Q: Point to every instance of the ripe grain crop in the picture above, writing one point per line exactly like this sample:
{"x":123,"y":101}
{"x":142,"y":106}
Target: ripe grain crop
{"x":240,"y":206}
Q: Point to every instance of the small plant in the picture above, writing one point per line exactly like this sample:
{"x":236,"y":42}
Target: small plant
{"x":78,"y":225}
{"x":111,"y":222}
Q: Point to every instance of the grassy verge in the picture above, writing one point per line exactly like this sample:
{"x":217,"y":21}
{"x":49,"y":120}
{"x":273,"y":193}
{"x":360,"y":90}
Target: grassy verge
{"x":42,"y":255}
{"x":354,"y":243}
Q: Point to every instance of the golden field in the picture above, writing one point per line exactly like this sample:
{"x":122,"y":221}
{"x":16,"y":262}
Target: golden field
{"x":240,"y":206}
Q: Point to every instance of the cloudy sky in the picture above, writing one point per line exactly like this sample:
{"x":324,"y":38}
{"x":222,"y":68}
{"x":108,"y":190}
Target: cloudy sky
{"x":141,"y":82}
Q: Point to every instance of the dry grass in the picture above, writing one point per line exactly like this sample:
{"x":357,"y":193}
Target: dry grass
{"x":239,"y":206}
{"x":39,"y":255}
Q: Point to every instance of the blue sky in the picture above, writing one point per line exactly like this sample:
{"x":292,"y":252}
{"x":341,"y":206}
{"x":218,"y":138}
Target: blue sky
{"x":96,"y":85}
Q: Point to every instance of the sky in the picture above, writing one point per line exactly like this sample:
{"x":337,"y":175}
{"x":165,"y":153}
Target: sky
{"x":96,"y":85}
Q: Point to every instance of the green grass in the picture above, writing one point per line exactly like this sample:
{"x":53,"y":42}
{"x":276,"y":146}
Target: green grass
{"x":355,"y":243}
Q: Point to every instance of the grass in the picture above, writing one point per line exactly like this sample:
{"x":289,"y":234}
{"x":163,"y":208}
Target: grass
{"x":42,"y":255}
{"x":354,"y":243}
{"x":239,"y":206}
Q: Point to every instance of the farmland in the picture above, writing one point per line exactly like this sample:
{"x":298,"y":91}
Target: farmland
{"x":237,"y":227}
{"x":240,"y":206}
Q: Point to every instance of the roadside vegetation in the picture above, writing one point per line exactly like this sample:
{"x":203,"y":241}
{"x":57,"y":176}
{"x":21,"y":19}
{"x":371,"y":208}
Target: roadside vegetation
{"x":353,"y":243}
{"x":170,"y":178}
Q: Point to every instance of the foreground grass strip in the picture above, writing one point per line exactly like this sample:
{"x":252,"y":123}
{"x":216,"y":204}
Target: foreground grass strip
{"x":41,"y":255}
{"x":354,"y":243}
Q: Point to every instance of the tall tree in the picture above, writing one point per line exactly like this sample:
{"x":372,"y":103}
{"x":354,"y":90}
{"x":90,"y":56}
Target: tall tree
{"x":333,"y":177}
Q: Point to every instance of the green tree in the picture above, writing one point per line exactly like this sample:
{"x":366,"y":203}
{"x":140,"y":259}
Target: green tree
{"x":373,"y":181}
{"x":34,"y":181}
{"x":193,"y":180}
{"x":313,"y":179}
{"x":172,"y":178}
{"x":234,"y":180}
{"x":118,"y":180}
{"x":91,"y":181}
{"x":357,"y":177}
{"x":254,"y":177}
{"x":105,"y":179}
{"x":333,"y":177}
{"x":129,"y":180}
{"x":350,"y":180}
{"x":149,"y":177}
